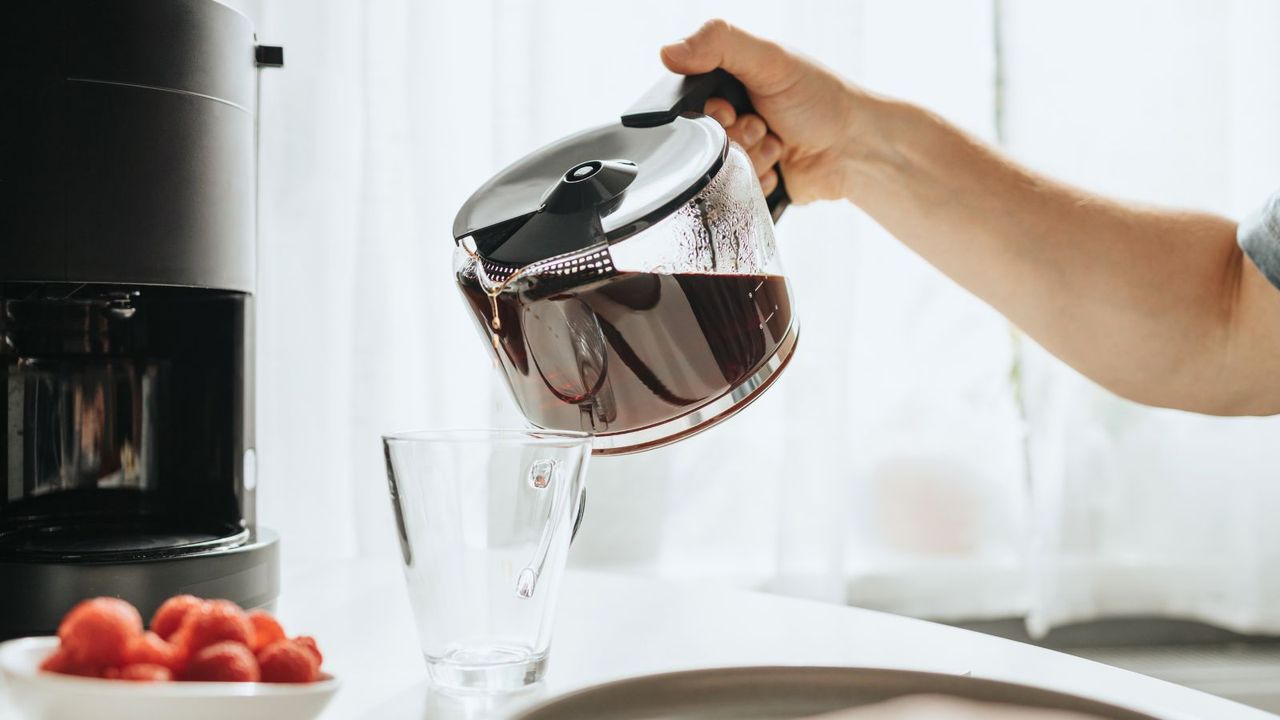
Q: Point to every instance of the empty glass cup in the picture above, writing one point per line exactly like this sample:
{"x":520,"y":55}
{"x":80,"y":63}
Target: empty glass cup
{"x":485,"y":518}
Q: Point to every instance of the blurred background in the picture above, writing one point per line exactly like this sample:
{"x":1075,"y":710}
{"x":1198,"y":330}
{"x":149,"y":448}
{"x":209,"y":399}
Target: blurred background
{"x":921,"y":456}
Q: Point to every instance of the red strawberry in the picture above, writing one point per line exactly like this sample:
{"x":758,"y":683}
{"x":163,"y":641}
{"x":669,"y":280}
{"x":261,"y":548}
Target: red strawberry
{"x":287,"y":661}
{"x":96,"y":632}
{"x":60,"y":662}
{"x":310,"y":643}
{"x":266,"y":629}
{"x":225,"y":661}
{"x":149,"y":649}
{"x":213,"y":622}
{"x":145,"y":672}
{"x":169,"y":615}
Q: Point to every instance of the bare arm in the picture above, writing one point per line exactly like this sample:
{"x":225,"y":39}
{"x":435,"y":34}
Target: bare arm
{"x":1159,"y":306}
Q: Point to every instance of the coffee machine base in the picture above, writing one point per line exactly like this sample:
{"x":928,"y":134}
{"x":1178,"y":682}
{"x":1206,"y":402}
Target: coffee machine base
{"x":37,"y":594}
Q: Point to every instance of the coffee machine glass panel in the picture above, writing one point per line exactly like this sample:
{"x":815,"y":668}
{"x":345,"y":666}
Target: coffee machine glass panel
{"x":124,"y":431}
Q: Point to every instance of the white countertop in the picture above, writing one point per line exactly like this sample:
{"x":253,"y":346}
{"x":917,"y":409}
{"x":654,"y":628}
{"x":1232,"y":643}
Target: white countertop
{"x":611,"y":626}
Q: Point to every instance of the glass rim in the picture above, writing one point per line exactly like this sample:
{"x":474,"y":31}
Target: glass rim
{"x":511,"y":436}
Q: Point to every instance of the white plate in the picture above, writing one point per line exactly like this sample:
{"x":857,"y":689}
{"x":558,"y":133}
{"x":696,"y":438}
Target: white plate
{"x":49,"y":696}
{"x":783,"y":693}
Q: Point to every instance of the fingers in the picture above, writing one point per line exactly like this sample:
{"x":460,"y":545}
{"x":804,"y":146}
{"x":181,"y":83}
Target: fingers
{"x":721,"y":110}
{"x":765,"y":154}
{"x":763,"y":147}
{"x":748,"y":130}
{"x":765,"y":68}
{"x":768,"y":182}
{"x":762,"y":66}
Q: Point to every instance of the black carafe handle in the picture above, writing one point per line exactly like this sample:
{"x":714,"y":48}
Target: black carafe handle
{"x":677,"y":94}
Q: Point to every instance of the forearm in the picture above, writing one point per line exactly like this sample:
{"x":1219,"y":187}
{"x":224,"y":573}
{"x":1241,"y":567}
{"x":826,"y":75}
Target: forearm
{"x":1143,"y":301}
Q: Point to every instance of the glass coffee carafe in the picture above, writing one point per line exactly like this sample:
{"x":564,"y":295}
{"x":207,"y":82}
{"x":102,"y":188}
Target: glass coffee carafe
{"x":626,"y":278}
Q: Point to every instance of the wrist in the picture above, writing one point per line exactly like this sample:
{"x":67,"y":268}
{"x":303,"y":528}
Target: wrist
{"x":883,"y":136}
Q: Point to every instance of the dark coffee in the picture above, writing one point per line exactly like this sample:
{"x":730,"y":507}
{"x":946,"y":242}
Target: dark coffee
{"x":632,"y":350}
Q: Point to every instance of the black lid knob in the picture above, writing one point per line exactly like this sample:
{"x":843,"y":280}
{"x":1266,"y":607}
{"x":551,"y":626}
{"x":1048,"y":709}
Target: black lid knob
{"x":590,"y":184}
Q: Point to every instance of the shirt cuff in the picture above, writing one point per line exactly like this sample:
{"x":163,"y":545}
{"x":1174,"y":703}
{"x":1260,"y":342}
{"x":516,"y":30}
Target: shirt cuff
{"x":1259,"y":237}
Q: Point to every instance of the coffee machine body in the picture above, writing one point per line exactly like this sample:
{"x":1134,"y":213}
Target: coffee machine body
{"x":127,"y":273}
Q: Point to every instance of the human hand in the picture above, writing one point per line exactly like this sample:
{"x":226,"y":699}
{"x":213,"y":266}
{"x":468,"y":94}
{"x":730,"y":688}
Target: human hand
{"x":805,"y":116}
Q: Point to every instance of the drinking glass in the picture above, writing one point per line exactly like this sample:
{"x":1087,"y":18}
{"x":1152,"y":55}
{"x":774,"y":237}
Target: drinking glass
{"x":485,"y":518}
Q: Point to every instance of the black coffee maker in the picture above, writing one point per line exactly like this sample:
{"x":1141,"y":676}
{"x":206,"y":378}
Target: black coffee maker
{"x":127,"y":271}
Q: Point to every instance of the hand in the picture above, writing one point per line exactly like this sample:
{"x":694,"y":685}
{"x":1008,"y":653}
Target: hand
{"x":806,"y":114}
{"x":1158,"y":306}
{"x":941,"y":707}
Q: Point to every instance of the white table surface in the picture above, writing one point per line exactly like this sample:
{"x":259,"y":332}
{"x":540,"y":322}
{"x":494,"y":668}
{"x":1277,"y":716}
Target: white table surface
{"x":611,"y":626}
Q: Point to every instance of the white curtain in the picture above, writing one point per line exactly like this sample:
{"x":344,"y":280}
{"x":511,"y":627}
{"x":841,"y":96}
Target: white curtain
{"x":918,"y":456}
{"x":1138,"y":510}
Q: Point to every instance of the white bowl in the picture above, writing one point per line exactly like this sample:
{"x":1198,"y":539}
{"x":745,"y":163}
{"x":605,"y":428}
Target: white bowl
{"x":49,"y":696}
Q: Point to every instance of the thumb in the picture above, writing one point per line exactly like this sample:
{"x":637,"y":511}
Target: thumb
{"x":762,"y":66}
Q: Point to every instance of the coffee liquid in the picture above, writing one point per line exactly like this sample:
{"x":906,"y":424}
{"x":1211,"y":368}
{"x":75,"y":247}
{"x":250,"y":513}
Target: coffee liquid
{"x":631,"y":350}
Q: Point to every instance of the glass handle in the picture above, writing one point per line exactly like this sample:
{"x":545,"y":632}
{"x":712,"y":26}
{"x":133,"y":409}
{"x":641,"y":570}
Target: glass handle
{"x":542,"y":476}
{"x":577,"y":521}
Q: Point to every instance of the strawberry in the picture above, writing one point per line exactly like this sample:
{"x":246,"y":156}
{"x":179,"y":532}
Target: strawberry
{"x":60,"y":662}
{"x":169,"y":615}
{"x":150,"y":649}
{"x":190,"y":639}
{"x":225,"y":661}
{"x":310,"y":643}
{"x":214,"y":621}
{"x":266,"y":630}
{"x":96,"y":632}
{"x":145,"y":672}
{"x":288,"y":661}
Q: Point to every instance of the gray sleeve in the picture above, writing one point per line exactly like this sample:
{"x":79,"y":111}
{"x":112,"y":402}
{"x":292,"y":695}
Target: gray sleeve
{"x":1259,"y":237}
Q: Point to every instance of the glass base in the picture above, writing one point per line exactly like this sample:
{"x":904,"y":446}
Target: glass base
{"x":491,"y":668}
